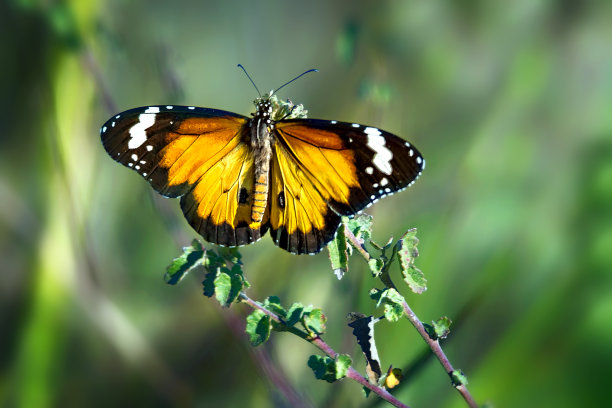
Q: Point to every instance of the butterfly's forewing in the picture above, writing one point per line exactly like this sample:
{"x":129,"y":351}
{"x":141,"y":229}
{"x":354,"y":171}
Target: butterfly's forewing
{"x":339,"y":169}
{"x":199,"y":154}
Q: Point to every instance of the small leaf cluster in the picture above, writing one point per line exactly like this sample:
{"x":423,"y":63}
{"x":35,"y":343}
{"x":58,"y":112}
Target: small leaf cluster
{"x":329,"y":369}
{"x":223,"y":277}
{"x":260,"y":324}
{"x":438,"y":329}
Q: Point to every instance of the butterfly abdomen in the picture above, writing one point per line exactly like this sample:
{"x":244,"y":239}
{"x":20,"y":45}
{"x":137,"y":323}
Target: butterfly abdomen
{"x":262,"y":154}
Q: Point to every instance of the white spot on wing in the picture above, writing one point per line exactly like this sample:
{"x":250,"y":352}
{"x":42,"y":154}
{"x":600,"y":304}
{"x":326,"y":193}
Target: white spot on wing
{"x":384,"y":181}
{"x":149,"y":148}
{"x":138,"y":132}
{"x":382,"y":155}
{"x":134,"y":157}
{"x":333,"y":122}
{"x":369,"y":170}
{"x":419,"y":160}
{"x":104,"y":129}
{"x":411,"y":152}
{"x":191,"y":107}
{"x":355,"y":125}
{"x":169,"y":107}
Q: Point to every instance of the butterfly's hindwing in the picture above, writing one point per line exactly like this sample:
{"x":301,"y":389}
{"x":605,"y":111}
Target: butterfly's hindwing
{"x":300,"y":219}
{"x":219,"y":205}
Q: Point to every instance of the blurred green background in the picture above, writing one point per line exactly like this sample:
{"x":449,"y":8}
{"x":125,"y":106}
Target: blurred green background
{"x":509,"y":102}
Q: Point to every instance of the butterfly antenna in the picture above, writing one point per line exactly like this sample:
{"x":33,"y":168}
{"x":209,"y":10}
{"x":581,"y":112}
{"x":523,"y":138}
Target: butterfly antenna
{"x":301,"y":75}
{"x":248,"y":76}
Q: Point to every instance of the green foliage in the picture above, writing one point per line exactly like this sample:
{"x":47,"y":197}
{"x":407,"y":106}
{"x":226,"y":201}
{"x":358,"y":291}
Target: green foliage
{"x":438,"y":329}
{"x":458,"y":378}
{"x":328,"y":369}
{"x":407,"y":252}
{"x":258,"y":327}
{"x":392,"y":302}
{"x":190,"y":259}
{"x":314,"y":320}
{"x":360,"y":226}
{"x":294,"y":314}
{"x":338,"y":250}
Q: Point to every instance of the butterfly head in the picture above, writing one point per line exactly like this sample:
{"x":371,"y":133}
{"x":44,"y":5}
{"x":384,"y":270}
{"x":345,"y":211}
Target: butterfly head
{"x":270,"y":107}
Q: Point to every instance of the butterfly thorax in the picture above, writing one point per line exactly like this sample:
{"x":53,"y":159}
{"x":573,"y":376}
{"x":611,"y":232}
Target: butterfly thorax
{"x":261,"y":126}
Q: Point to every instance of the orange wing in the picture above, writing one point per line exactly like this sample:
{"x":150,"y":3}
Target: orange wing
{"x":199,"y":154}
{"x":322,"y":170}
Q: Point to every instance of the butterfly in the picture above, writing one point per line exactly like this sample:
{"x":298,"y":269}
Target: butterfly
{"x":239,"y":177}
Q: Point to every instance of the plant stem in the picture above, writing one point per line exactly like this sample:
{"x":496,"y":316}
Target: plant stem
{"x":434,"y":345}
{"x":318,"y":342}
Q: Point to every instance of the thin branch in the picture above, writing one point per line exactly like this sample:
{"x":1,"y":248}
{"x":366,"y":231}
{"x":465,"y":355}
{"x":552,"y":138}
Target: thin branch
{"x":318,"y":342}
{"x":434,"y":345}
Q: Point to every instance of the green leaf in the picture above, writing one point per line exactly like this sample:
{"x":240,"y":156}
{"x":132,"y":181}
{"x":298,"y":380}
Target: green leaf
{"x":407,"y":252}
{"x":314,"y":320}
{"x":442,"y":327}
{"x":361,"y":227}
{"x":376,"y":265}
{"x":431,"y":332}
{"x":323,"y":368}
{"x":343,"y":362}
{"x":328,"y":369}
{"x":223,"y":287}
{"x":295,"y":313}
{"x":366,"y":391}
{"x":187,"y":261}
{"x":272,"y":303}
{"x":392,"y":302}
{"x":209,"y":283}
{"x":339,"y":253}
{"x":258,"y":327}
{"x":458,"y":378}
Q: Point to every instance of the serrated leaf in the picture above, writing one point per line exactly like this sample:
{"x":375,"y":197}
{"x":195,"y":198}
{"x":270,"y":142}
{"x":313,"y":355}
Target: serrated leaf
{"x":415,"y":279}
{"x":343,"y":362}
{"x":186,"y":262}
{"x":361,"y":227}
{"x":258,"y":327}
{"x":294,"y":314}
{"x":314,"y":321}
{"x":458,"y":378}
{"x":376,"y":265}
{"x":392,"y":302}
{"x":273,"y":304}
{"x":442,"y":327}
{"x":223,"y":287}
{"x":431,"y":332}
{"x":338,"y":253}
{"x":209,"y":283}
{"x":407,"y":253}
{"x":323,"y":367}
